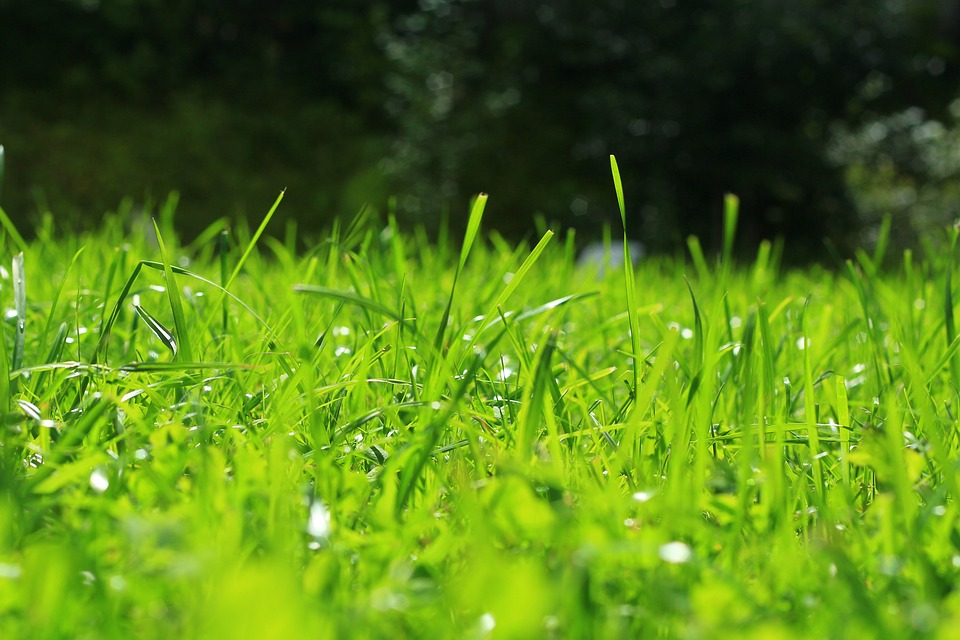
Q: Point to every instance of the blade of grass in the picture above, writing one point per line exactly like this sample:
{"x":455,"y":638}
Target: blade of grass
{"x":810,"y":411}
{"x":473,"y":227}
{"x":164,"y":334}
{"x":493,"y":316}
{"x":948,"y":312}
{"x":629,"y":279}
{"x":20,"y":303}
{"x":350,"y":297}
{"x":696,"y":370}
{"x":222,"y":249}
{"x":185,"y":352}
{"x":243,"y":259}
{"x":731,"y":211}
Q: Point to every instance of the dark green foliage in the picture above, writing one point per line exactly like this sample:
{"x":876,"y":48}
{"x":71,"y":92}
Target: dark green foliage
{"x":695,"y":98}
{"x":348,"y":101}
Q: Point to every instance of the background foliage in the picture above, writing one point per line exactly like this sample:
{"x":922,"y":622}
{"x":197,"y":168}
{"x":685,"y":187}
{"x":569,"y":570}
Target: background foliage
{"x":352,"y":101}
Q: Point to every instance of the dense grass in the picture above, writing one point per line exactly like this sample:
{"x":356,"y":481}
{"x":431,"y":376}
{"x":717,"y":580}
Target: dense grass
{"x":384,"y":437}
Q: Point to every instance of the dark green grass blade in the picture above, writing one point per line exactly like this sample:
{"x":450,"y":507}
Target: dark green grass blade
{"x":185,"y":352}
{"x":696,"y":369}
{"x":164,"y":334}
{"x":5,"y":221}
{"x":883,"y":240}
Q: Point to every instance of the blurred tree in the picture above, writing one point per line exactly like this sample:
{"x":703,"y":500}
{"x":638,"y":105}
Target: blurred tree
{"x":696,"y":98}
{"x":522,"y":98}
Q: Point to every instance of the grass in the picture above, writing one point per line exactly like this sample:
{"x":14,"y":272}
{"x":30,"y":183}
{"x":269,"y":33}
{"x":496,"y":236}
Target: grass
{"x":385,"y":437}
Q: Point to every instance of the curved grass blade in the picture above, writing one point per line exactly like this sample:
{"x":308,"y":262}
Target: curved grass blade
{"x":164,"y":334}
{"x":351,"y":298}
{"x":543,"y":308}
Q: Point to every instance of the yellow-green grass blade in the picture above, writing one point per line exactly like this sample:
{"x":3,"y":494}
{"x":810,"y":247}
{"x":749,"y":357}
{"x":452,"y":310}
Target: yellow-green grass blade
{"x":629,"y":278}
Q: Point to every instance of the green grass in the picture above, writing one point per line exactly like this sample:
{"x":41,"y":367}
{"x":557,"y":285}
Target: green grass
{"x":385,"y":437}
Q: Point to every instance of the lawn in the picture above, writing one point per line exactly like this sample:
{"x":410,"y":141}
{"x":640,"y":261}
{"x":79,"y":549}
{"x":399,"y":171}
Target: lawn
{"x":387,"y":436}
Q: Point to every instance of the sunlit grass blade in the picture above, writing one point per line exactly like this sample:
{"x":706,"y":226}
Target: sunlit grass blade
{"x":244,"y":257}
{"x":473,"y":228}
{"x":48,"y":326}
{"x":492,"y":316}
{"x":352,"y":298}
{"x":948,"y":304}
{"x":629,"y":278}
{"x":731,"y":211}
{"x":810,"y":410}
{"x":549,"y":306}
{"x":20,"y":304}
{"x":223,"y":239}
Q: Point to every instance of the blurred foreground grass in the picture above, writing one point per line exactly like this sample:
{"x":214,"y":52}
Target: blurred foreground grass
{"x":383,"y":437}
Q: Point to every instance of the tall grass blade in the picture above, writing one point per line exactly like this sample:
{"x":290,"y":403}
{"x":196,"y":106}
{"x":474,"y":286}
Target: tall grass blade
{"x":492,"y":316}
{"x":473,"y":227}
{"x":629,"y":279}
{"x":731,"y":211}
{"x":11,"y":229}
{"x":185,"y":352}
{"x":20,"y":303}
{"x":696,"y":369}
{"x":948,"y":304}
{"x":243,"y":259}
{"x":222,"y":250}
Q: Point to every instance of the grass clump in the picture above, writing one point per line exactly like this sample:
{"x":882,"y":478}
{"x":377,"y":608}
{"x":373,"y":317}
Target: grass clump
{"x":382,"y":437}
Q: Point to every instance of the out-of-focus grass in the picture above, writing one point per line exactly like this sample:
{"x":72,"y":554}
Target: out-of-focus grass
{"x":80,"y":158}
{"x":387,"y":437}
